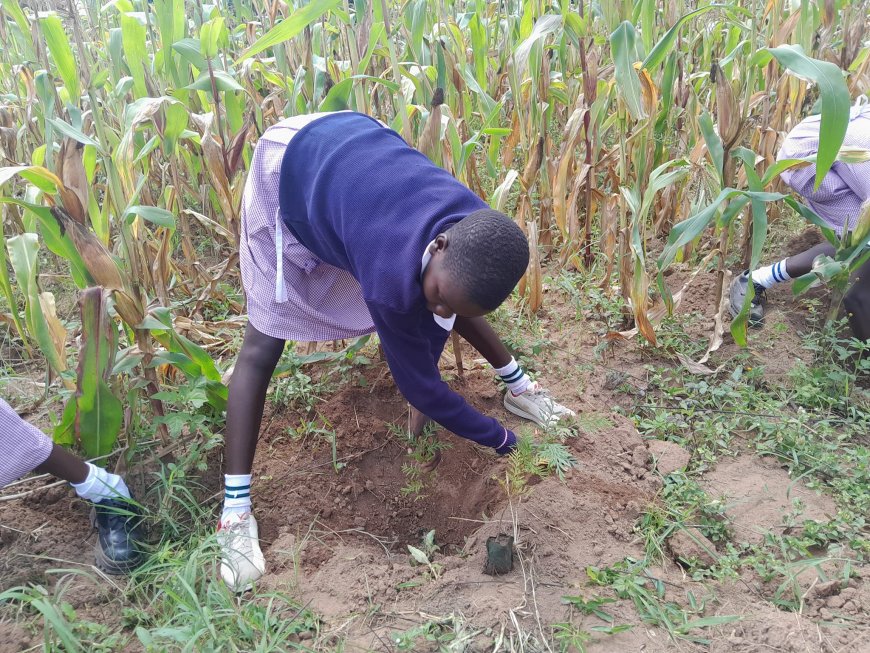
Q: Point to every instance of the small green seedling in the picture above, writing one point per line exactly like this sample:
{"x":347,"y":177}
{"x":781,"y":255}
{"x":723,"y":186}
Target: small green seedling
{"x":426,"y":555}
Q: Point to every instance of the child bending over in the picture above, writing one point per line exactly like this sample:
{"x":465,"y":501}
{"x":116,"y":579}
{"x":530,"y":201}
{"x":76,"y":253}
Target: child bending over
{"x":347,"y":230}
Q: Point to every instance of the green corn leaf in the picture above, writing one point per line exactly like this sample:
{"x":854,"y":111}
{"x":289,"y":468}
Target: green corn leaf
{"x":759,"y":234}
{"x":133,"y":38}
{"x":714,"y":144}
{"x":661,"y":49}
{"x":545,"y":25}
{"x":222,"y":81}
{"x":65,"y":431}
{"x":189,"y":49}
{"x":479,"y":48}
{"x":41,"y":320}
{"x":177,"y":116}
{"x":68,"y":130}
{"x":13,"y":8}
{"x":290,"y":27}
{"x":153,"y":214}
{"x":99,"y":413}
{"x":690,"y":228}
{"x":61,"y":52}
{"x":836,"y":100}
{"x":338,"y":97}
{"x":376,"y":35}
{"x":623,"y":47}
{"x":56,"y":241}
{"x":6,"y":287}
{"x":212,"y":35}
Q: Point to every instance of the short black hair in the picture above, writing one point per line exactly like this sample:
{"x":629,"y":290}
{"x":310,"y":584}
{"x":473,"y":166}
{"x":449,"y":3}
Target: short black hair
{"x":488,"y":254}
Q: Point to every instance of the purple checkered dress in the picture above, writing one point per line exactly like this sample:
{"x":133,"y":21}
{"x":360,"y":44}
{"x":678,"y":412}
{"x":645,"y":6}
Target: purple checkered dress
{"x":23,"y":447}
{"x":847,"y":186}
{"x":292,"y":295}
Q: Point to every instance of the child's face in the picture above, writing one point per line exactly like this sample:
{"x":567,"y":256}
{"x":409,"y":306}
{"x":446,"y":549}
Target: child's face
{"x":445,"y":297}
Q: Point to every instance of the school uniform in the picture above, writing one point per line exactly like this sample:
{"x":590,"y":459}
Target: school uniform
{"x":337,"y":215}
{"x":846,"y":187}
{"x":23,"y":447}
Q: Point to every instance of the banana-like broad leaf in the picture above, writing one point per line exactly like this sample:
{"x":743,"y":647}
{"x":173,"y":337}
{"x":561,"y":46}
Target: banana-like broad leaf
{"x":99,"y":412}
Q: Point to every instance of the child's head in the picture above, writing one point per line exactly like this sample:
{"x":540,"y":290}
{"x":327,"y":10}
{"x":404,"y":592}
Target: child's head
{"x":475,"y":264}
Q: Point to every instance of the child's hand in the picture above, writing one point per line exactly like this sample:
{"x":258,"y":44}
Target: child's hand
{"x":418,"y":424}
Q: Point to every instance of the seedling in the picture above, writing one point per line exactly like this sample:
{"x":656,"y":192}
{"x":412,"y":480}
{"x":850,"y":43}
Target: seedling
{"x":422,"y":450}
{"x":426,"y":555}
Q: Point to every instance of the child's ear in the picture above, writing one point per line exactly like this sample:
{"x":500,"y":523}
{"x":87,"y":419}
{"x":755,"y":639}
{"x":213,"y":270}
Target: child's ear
{"x":439,"y":244}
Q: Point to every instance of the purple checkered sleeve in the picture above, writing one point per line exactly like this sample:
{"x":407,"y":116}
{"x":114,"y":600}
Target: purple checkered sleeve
{"x":23,"y":447}
{"x":846,"y":187}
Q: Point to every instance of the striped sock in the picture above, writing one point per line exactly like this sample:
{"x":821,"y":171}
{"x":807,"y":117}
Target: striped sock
{"x":771,"y":274}
{"x":513,"y":376}
{"x":237,"y":494}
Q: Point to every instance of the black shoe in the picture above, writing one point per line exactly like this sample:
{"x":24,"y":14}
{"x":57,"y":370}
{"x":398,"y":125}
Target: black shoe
{"x":118,"y":523}
{"x":739,"y":288}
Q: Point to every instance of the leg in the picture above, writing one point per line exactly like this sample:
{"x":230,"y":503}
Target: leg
{"x":801,"y":264}
{"x":242,"y":560}
{"x":767,"y":276}
{"x":857,"y":303}
{"x":257,"y":360}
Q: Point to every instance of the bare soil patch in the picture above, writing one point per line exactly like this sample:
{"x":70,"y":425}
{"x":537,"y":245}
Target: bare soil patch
{"x":762,"y":498}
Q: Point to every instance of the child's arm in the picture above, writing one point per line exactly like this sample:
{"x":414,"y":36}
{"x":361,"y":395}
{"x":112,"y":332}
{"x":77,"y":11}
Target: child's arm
{"x":481,"y":336}
{"x":23,"y":446}
{"x":412,"y":361}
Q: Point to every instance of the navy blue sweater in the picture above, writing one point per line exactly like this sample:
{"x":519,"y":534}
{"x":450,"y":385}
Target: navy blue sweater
{"x":358,"y":197}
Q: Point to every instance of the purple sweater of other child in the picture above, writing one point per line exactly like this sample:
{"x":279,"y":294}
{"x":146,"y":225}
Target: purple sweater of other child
{"x":360,"y":198}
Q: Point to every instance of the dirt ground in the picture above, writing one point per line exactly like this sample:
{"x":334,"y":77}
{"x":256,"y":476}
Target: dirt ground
{"x":337,"y":538}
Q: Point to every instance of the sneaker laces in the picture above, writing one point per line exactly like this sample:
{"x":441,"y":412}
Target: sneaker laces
{"x":535,"y":388}
{"x":236,"y":529}
{"x":760,"y":294}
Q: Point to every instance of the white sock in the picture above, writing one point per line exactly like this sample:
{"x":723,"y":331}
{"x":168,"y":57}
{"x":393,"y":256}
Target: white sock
{"x":771,"y":274}
{"x":100,"y":485}
{"x":237,"y":495}
{"x":513,"y":376}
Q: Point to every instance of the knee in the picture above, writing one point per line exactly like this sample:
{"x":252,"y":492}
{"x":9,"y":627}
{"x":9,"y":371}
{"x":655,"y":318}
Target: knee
{"x":856,"y":302}
{"x":261,"y":353}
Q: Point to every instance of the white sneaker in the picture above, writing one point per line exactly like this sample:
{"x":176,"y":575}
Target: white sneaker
{"x":537,"y":405}
{"x":242,"y":560}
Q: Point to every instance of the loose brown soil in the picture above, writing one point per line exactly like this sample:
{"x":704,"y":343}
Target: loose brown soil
{"x":337,"y":538}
